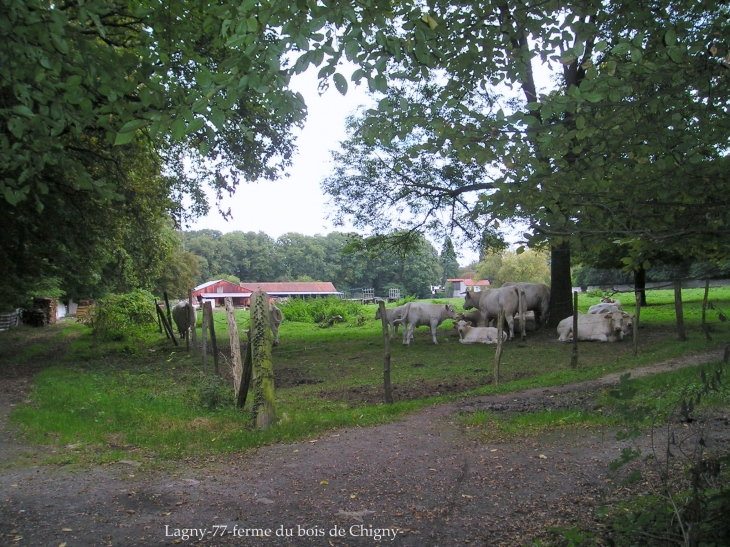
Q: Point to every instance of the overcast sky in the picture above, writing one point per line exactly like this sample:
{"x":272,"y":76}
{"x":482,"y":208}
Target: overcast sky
{"x":296,"y":203}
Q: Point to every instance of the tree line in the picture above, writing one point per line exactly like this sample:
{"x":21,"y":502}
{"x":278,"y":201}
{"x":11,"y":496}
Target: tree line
{"x":336,"y":257}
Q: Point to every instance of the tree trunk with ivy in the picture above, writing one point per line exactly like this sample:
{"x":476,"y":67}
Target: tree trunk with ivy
{"x":263,"y":368}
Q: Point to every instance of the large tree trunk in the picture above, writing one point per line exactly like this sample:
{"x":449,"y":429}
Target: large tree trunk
{"x":561,"y":286}
{"x":640,"y":286}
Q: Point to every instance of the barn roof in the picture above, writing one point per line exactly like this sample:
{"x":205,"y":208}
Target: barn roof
{"x":467,"y":281}
{"x":206,"y":284}
{"x":312,"y":287}
{"x":231,"y":287}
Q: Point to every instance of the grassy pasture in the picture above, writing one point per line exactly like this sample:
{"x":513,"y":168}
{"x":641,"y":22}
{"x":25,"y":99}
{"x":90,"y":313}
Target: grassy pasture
{"x":135,"y":398}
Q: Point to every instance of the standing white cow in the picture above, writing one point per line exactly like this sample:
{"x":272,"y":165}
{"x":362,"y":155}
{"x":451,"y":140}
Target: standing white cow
{"x":184,"y":316}
{"x":537,"y":299}
{"x":478,"y":335}
{"x":604,"y":327}
{"x":275,"y":319}
{"x":391,"y":314}
{"x":417,"y":314}
{"x":490,"y":301}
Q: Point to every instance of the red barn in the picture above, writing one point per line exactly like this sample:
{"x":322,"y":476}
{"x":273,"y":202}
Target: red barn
{"x":296,"y":289}
{"x":216,"y":291}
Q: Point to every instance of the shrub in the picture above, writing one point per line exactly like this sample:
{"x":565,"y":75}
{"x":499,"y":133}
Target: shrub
{"x":316,"y":310}
{"x":215,"y":393}
{"x":120,"y":315}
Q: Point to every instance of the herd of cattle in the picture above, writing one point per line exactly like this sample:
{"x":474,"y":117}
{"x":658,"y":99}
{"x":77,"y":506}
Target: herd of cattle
{"x":526,"y":307}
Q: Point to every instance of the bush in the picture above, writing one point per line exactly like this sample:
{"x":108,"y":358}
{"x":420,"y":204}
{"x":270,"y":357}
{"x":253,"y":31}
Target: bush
{"x":121,"y":315}
{"x":215,"y":393}
{"x":316,"y":310}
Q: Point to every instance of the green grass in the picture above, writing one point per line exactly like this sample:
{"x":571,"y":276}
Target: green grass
{"x":657,"y":396}
{"x":147,"y":394}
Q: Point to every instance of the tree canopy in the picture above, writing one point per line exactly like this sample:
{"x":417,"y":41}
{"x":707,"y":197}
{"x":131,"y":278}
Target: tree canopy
{"x":628,"y":144}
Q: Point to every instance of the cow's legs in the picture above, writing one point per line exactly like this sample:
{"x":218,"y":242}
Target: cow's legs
{"x":433,"y":332}
{"x":405,"y":334}
{"x":411,"y":328}
{"x":511,"y":325}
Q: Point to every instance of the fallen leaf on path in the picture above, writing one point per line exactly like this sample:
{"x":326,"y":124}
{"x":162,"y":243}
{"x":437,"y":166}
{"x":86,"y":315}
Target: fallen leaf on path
{"x":357,"y":515}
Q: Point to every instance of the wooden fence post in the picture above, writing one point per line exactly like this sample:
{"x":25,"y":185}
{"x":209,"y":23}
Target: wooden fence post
{"x":204,"y":346}
{"x":193,"y":321}
{"x":168,"y":326}
{"x":235,"y":345}
{"x":679,"y":312}
{"x":208,"y":308}
{"x":705,"y":326}
{"x":386,"y":361}
{"x":247,"y":373}
{"x":637,"y":313}
{"x":498,"y":354}
{"x":157,"y":317}
{"x":158,"y":313}
{"x":574,"y":356}
{"x":167,"y":305}
{"x":263,"y":369}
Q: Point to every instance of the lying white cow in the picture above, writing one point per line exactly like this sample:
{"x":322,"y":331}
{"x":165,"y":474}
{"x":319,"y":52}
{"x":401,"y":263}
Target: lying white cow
{"x":417,"y":314}
{"x":478,"y":335}
{"x":391,"y":314}
{"x":604,"y":327}
{"x":275,"y":319}
{"x":605,"y":307}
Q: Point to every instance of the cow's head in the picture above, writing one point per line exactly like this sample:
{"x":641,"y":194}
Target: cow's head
{"x":471,"y":300}
{"x":627,"y":320}
{"x":450,"y":311}
{"x":616,"y":319}
{"x":460,"y":317}
{"x":461,"y":324}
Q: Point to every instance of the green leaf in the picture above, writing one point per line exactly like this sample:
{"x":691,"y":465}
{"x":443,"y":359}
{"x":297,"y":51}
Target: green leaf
{"x":178,"y":129}
{"x":133,"y":126}
{"x":670,"y":37}
{"x":74,"y":81}
{"x":23,"y":110}
{"x":340,"y":83}
{"x":195,"y":126}
{"x":124,"y":138}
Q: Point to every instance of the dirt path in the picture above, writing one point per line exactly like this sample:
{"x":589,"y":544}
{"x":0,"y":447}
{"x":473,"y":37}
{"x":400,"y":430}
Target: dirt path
{"x":421,"y":481}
